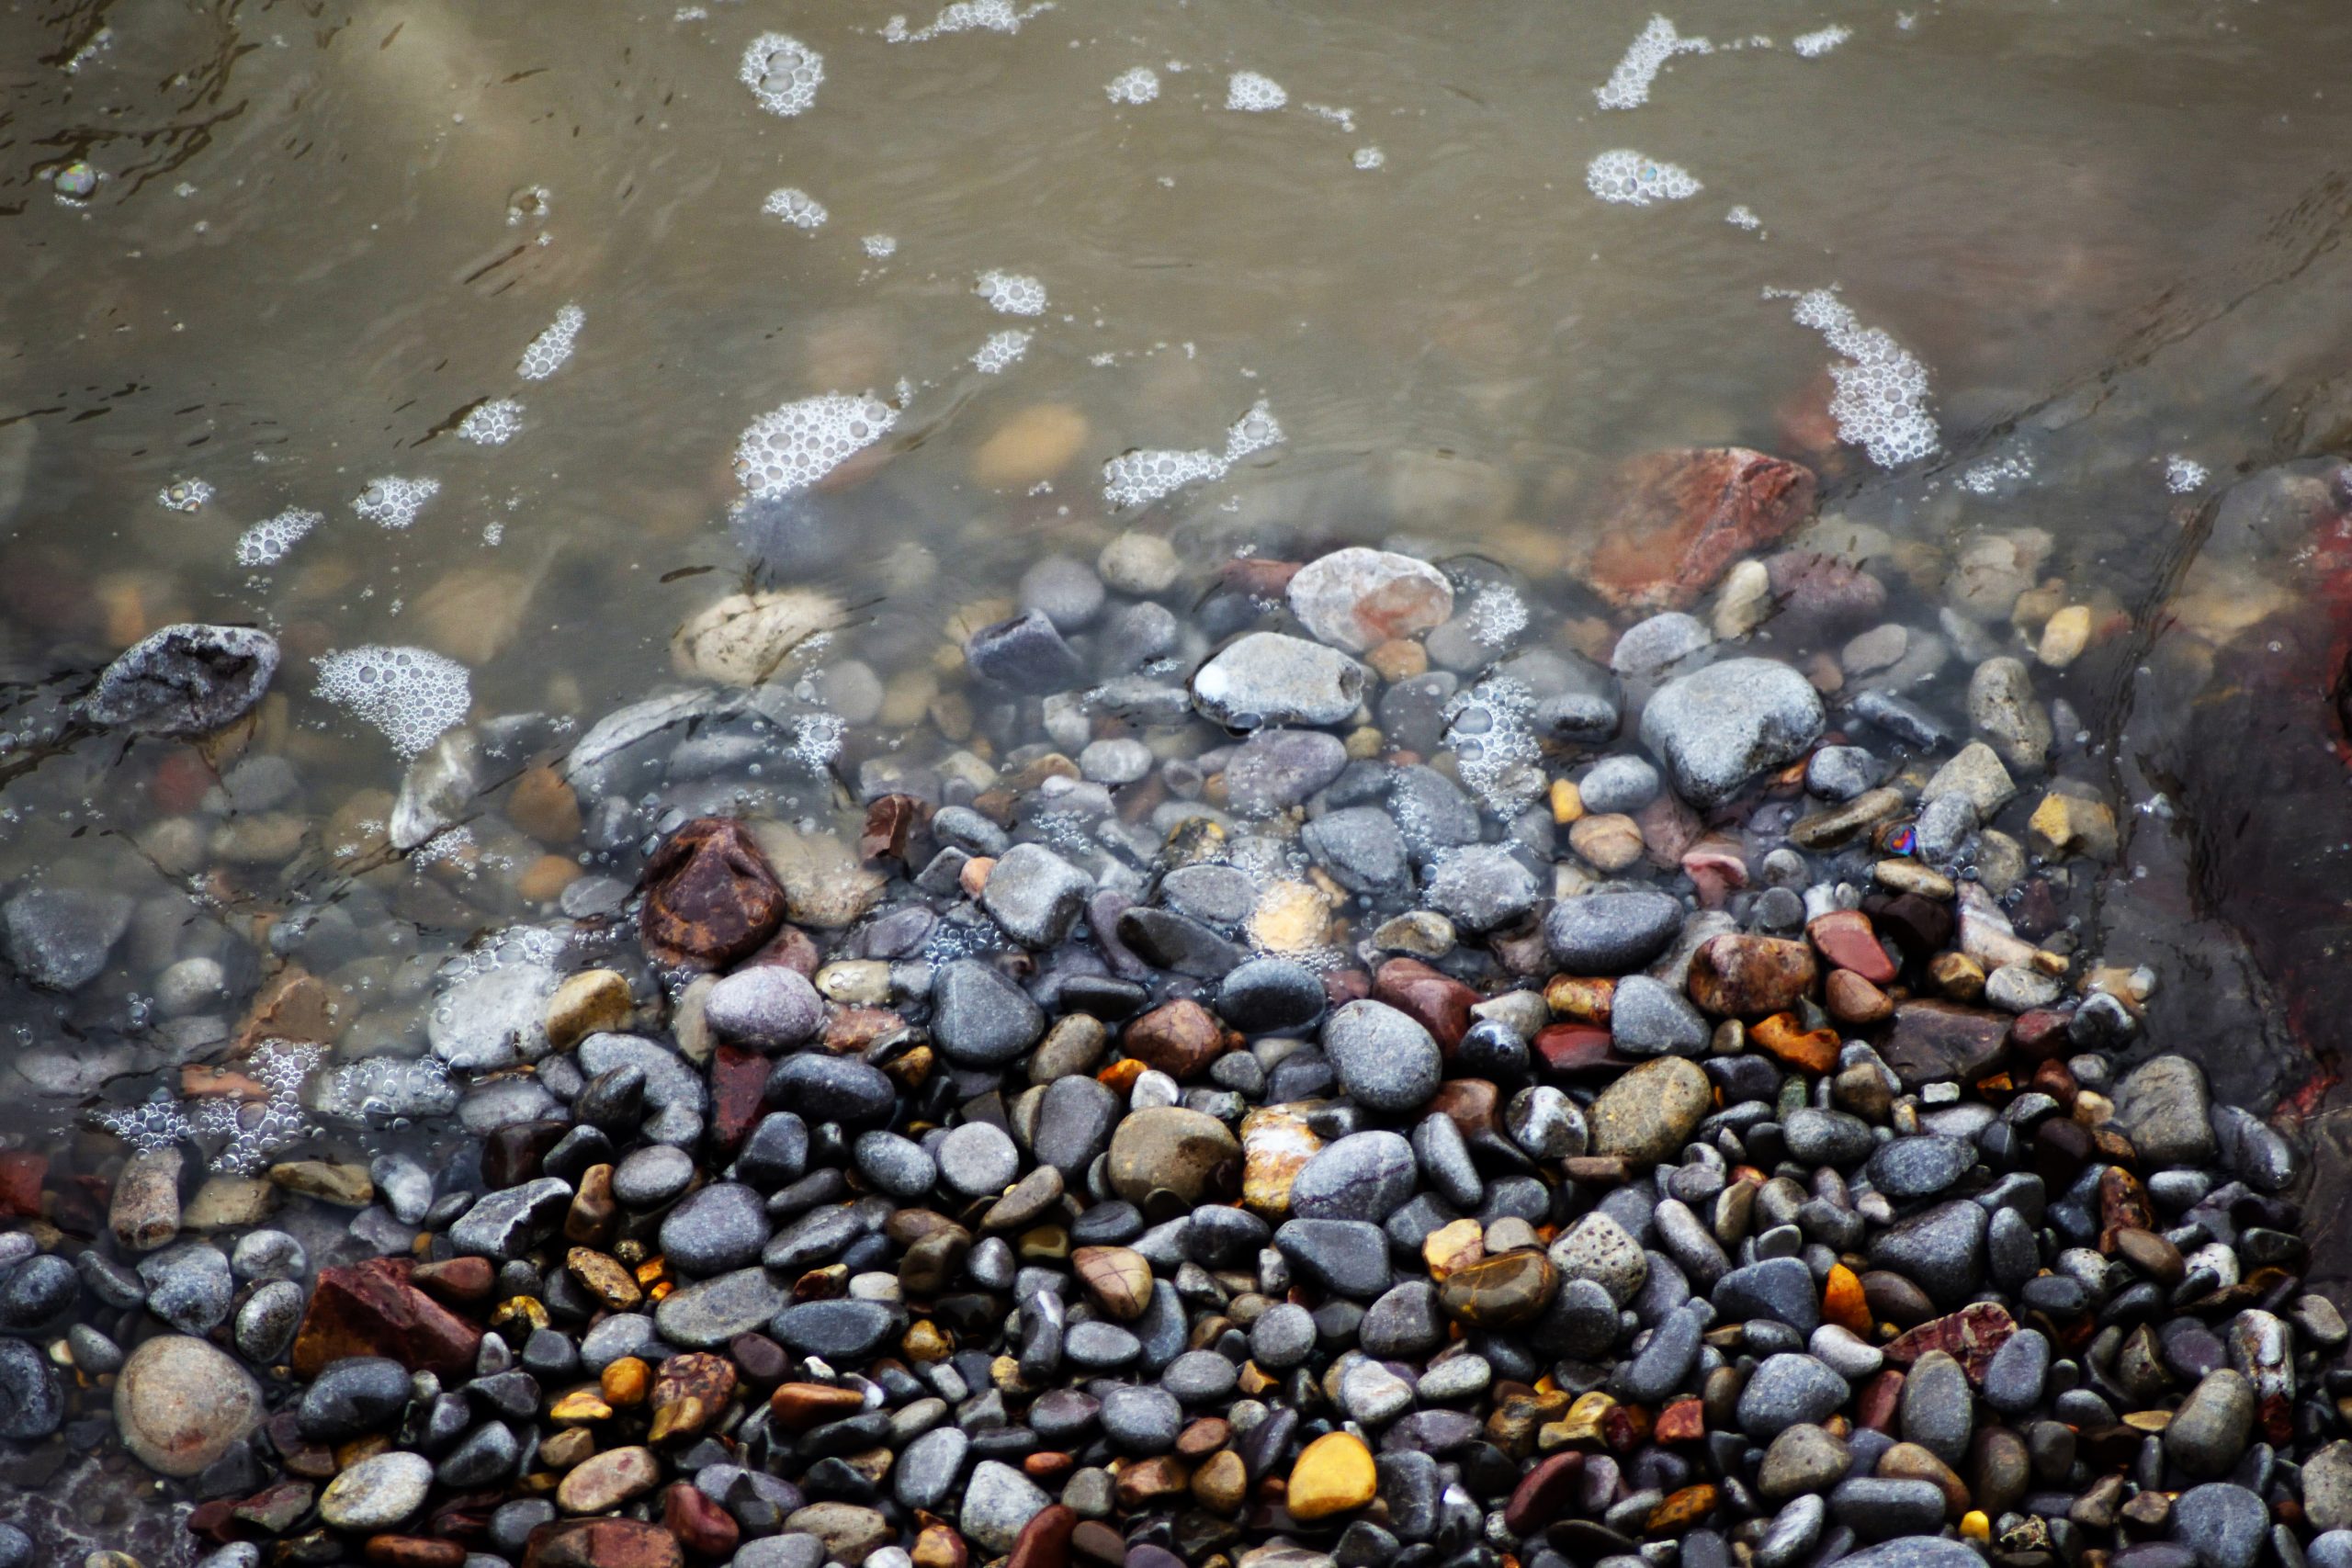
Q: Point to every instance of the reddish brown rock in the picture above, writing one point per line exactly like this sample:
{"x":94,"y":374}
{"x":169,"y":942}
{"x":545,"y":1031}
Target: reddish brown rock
{"x":1045,"y":1540}
{"x":1542,"y":1493}
{"x":371,"y":1309}
{"x":710,"y":896}
{"x":413,"y":1551}
{"x":1969,"y":1336}
{"x":689,"y":1392}
{"x":1852,"y":1000}
{"x":456,"y":1281}
{"x":1848,"y":939}
{"x":1875,"y":1406}
{"x":1437,"y":1003}
{"x":1578,"y":1050}
{"x":510,"y":1154}
{"x":738,"y":1081}
{"x":1673,"y":522}
{"x":701,"y":1526}
{"x":21,"y":1175}
{"x":1179,"y":1038}
{"x":1934,"y":1040}
{"x":800,"y":1406}
{"x":890,"y":822}
{"x":1471,"y":1104}
{"x":1743,"y":976}
{"x":602,"y":1543}
{"x":293,"y":1004}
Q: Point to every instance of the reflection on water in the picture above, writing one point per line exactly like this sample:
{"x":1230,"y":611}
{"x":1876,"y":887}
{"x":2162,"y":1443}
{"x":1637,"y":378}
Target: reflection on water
{"x":506,"y":363}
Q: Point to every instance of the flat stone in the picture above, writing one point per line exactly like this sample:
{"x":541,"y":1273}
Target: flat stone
{"x":1609,"y":933}
{"x":1268,"y":678}
{"x":981,"y":1019}
{"x":1385,"y":1060}
{"x":180,"y":1405}
{"x":1719,"y":726}
{"x":1651,"y":1112}
{"x":2164,"y":1107}
{"x":377,"y":1492}
{"x":711,"y":1312}
{"x":1356,"y":598}
{"x":1786,"y":1389}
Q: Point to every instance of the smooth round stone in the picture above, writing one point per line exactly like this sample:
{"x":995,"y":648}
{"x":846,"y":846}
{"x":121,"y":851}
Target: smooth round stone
{"x":1877,"y":1507}
{"x":1065,"y":592}
{"x":1100,"y":1345}
{"x":188,"y":1286}
{"x":1499,"y":1292}
{"x":1114,"y":761}
{"x":2015,"y":1377}
{"x":822,"y":1087}
{"x":1651,"y":1112}
{"x":180,"y":1405}
{"x":767,"y":1007}
{"x":1936,"y":1411}
{"x":1609,"y":933}
{"x":1781,"y":1289}
{"x":2208,"y":1432}
{"x":1919,"y":1168}
{"x":898,"y":1166}
{"x":651,"y":1177}
{"x":2223,"y":1524}
{"x":1825,"y":1138}
{"x":998,"y":1502}
{"x":1786,"y":1389}
{"x":1385,"y":1060}
{"x":722,"y":1227}
{"x":1282,"y":1337}
{"x":836,"y":1330}
{"x":2327,"y":1487}
{"x":377,"y":1492}
{"x":1142,"y":1420}
{"x":1198,"y":1377}
{"x":706,"y":1313}
{"x":927,"y":1468}
{"x":1365,"y":1175}
{"x":981,"y":1019}
{"x":32,"y":1401}
{"x":1267,"y":996}
{"x":262,"y":1256}
{"x":355,"y":1394}
{"x":1618,"y":784}
{"x":1403,"y":1324}
{"x":1348,"y":1257}
{"x":978,"y":1160}
{"x":1174,"y":1149}
{"x":1804,"y":1459}
{"x":1916,"y":1552}
{"x":1941,"y":1251}
{"x":36,"y":1291}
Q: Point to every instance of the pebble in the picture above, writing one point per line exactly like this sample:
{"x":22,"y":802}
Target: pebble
{"x":376,"y":1492}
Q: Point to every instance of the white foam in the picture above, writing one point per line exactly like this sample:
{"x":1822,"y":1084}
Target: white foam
{"x":1140,"y":478}
{"x":249,"y":1134}
{"x":183,"y":495}
{"x":1627,"y":178}
{"x":967,"y":17}
{"x":1629,"y":86}
{"x":545,"y":353}
{"x":394,"y":502}
{"x":492,"y":423}
{"x":266,"y":542}
{"x":1744,"y":217}
{"x":797,"y":208}
{"x":1002,"y":351}
{"x":412,"y":694}
{"x":880,"y":245}
{"x":1246,"y":92}
{"x":1814,"y":45}
{"x":1337,"y":114}
{"x":1996,"y":476}
{"x":1011,"y":293}
{"x":783,"y":72}
{"x":1881,"y":403}
{"x":1370,"y":158}
{"x":2183,"y":474}
{"x":794,"y":446}
{"x":1139,"y":85}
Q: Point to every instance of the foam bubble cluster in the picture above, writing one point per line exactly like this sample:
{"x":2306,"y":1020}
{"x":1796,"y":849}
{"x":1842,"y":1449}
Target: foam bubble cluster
{"x":266,"y":542}
{"x":1139,"y":86}
{"x":797,"y":208}
{"x":1814,"y":45}
{"x":1881,"y":403}
{"x":1001,"y":351}
{"x":794,"y":446}
{"x":183,"y":495}
{"x":1744,"y":217}
{"x":1140,"y":478}
{"x":393,"y":503}
{"x":1250,"y":93}
{"x":1370,"y":158}
{"x":2183,"y":474}
{"x":783,"y":72}
{"x":492,"y":423}
{"x":966,"y":17}
{"x":879,"y":246}
{"x":1011,"y":294}
{"x":1997,"y":476}
{"x":246,"y":1136}
{"x":548,"y":351}
{"x":412,"y":694}
{"x":1629,"y":86}
{"x":1626,"y":177}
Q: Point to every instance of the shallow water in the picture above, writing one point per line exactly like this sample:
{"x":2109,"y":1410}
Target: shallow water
{"x":269,"y":257}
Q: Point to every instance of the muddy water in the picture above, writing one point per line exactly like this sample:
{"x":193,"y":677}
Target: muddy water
{"x":2085,"y":259}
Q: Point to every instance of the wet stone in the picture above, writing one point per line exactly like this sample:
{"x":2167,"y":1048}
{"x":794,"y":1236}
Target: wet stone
{"x":1606,"y":933}
{"x":980,"y":1017}
{"x":1385,"y":1060}
{"x":721,"y":1227}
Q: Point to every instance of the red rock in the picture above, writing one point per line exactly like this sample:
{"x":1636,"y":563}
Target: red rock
{"x":1542,"y":1493}
{"x":1684,"y":1421}
{"x":1044,"y":1542}
{"x":710,"y":896}
{"x":1179,"y":1038}
{"x":602,"y":1543}
{"x":1852,"y":1000}
{"x":1742,"y":976}
{"x":890,"y":821}
{"x":273,"y":1509}
{"x":2040,"y":1035}
{"x":1673,"y":522}
{"x":1847,"y":939}
{"x":1259,"y":578}
{"x":21,"y":1175}
{"x":2122,"y":1205}
{"x":1935,"y":1039}
{"x":738,"y":1081}
{"x":414,"y":1551}
{"x":1578,"y":1050}
{"x":456,"y":1281}
{"x":371,"y":1309}
{"x":1437,"y":1003}
{"x":700,"y":1525}
{"x":1714,"y":866}
{"x":793,"y":948}
{"x":1969,"y":1336}
{"x":1341,"y":986}
{"x":1875,"y":1406}
{"x":1470,"y":1103}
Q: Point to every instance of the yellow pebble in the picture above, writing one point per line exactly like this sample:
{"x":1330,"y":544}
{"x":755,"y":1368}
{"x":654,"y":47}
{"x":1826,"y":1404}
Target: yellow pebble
{"x":624,"y":1381}
{"x":1333,"y":1474}
{"x":1974,"y":1526}
{"x":579,"y":1405}
{"x":1567,"y":801}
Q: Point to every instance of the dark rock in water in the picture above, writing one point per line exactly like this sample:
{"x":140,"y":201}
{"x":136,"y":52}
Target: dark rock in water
{"x":1942,"y":1039}
{"x":1268,"y":994}
{"x":1606,"y":933}
{"x":1025,"y":653}
{"x":355,"y":1394}
{"x":791,"y":534}
{"x":710,"y":896}
{"x":184,"y":680}
{"x":32,"y":1403}
{"x":60,"y":937}
{"x":836,"y":1329}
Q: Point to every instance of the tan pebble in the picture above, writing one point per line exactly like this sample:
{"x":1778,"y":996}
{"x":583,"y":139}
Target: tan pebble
{"x":544,"y":806}
{"x":594,"y":1001}
{"x":2065,"y":636}
{"x":545,"y":878}
{"x":1910,"y":876}
{"x":2066,"y":825}
{"x":1567,"y":801}
{"x":473,"y":614}
{"x":1610,"y":842}
{"x":1398,"y":658}
{"x":1291,"y":916}
{"x":1036,"y":444}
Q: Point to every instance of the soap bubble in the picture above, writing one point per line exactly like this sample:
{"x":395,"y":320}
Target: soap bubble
{"x":800,"y":443}
{"x":1627,"y":178}
{"x":2183,"y":474}
{"x":783,"y":72}
{"x":1001,"y":351}
{"x":1139,"y":477}
{"x":1629,"y":86}
{"x":879,"y":245}
{"x":1139,"y":85}
{"x":966,"y":17}
{"x":266,"y":542}
{"x":492,"y":423}
{"x":1881,"y":403}
{"x":1814,"y":45}
{"x":1248,"y":92}
{"x":183,"y":495}
{"x":1370,"y":158}
{"x":412,"y":694}
{"x":797,"y":208}
{"x":393,"y":503}
{"x":1011,"y":294}
{"x":548,"y":351}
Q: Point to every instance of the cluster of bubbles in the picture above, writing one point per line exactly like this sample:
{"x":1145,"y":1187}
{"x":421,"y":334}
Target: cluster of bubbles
{"x":492,"y":423}
{"x":1139,"y":86}
{"x":1370,"y":158}
{"x":783,"y":72}
{"x":266,"y":542}
{"x":966,"y":17}
{"x":1814,"y":45}
{"x":1011,"y":293}
{"x":1743,"y":217}
{"x":1997,"y":476}
{"x":411,"y":694}
{"x":1002,"y":351}
{"x":1138,"y":479}
{"x":548,"y":351}
{"x":394,"y":502}
{"x":794,"y":446}
{"x":797,"y":208}
{"x":1497,"y":615}
{"x":1249,"y":92}
{"x":1629,"y":86}
{"x":245,"y":1136}
{"x":1881,"y":403}
{"x":2183,"y":475}
{"x":1494,"y":743}
{"x":880,"y":246}
{"x":183,"y":495}
{"x":1624,"y":175}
